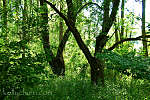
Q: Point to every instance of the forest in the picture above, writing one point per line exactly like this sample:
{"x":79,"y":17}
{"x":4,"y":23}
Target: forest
{"x":74,"y":50}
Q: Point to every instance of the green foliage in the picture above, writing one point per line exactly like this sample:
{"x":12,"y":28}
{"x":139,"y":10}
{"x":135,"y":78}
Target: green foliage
{"x":127,"y":62}
{"x":24,"y":68}
{"x":17,"y":72}
{"x":70,"y":88}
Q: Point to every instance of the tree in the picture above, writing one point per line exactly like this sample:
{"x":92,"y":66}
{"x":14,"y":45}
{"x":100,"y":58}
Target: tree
{"x":97,"y":66}
{"x":56,"y":63}
{"x":4,"y":18}
{"x":122,"y":19}
{"x":61,"y":34}
{"x":108,"y":20}
{"x":4,"y":34}
{"x":24,"y":26}
{"x":145,"y":49}
{"x":116,"y":31}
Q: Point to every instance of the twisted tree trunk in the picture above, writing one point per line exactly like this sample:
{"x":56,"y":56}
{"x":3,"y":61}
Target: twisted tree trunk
{"x":97,"y":66}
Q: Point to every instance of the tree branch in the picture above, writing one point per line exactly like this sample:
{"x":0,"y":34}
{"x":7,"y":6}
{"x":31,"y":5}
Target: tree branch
{"x":88,"y":4}
{"x":62,"y":43}
{"x":102,"y":38}
{"x":67,"y":34}
{"x":129,"y":39}
{"x":113,"y":14}
{"x":57,"y":11}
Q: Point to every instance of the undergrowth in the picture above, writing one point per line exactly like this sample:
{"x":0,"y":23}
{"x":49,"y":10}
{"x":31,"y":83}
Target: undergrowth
{"x":68,"y":88}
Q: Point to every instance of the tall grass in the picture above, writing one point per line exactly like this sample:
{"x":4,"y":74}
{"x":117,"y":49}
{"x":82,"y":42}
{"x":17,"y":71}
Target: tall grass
{"x":69,"y":88}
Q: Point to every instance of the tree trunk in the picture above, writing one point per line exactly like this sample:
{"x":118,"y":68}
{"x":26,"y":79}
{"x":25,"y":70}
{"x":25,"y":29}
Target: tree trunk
{"x":1,"y":8}
{"x":145,"y":49}
{"x":4,"y":19}
{"x":96,"y":67}
{"x":95,"y":64}
{"x":122,"y":20}
{"x":24,"y":27}
{"x":17,"y":4}
{"x":116,"y":31}
{"x":97,"y":71}
{"x":102,"y":38}
{"x":56,"y":63}
{"x":4,"y":33}
{"x":60,"y":39}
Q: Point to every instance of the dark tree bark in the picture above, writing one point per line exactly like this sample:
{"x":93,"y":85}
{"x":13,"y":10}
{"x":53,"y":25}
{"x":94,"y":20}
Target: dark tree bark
{"x":62,"y":43}
{"x":0,"y":4}
{"x":116,"y":32}
{"x":60,"y":30}
{"x":24,"y":27}
{"x":4,"y":18}
{"x":61,"y":37}
{"x":129,"y":39}
{"x":108,"y":20}
{"x":4,"y":34}
{"x":94,"y":63}
{"x":1,"y":8}
{"x":97,"y":66}
{"x":56,"y":63}
{"x":145,"y":48}
{"x":122,"y":19}
{"x":67,"y":33}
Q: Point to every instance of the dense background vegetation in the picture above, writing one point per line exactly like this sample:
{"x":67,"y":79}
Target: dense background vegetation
{"x":73,"y":50}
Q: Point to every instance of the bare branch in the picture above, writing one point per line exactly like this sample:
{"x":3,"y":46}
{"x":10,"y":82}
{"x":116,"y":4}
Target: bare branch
{"x":113,"y":14}
{"x":88,"y":4}
{"x":129,"y":39}
{"x":57,"y":11}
